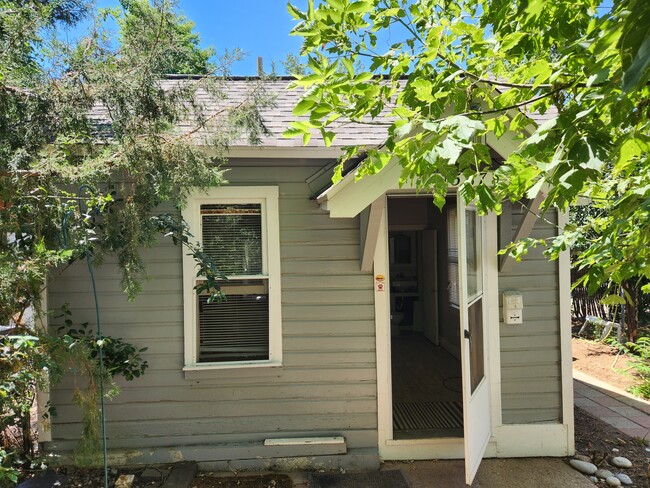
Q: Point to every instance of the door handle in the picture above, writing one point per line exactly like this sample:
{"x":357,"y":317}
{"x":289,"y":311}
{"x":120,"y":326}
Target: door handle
{"x":468,"y":336}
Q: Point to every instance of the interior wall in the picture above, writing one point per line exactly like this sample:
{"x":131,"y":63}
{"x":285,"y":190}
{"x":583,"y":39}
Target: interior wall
{"x":419,"y":213}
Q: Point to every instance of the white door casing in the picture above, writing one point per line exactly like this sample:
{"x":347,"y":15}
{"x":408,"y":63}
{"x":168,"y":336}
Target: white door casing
{"x":473,"y":314}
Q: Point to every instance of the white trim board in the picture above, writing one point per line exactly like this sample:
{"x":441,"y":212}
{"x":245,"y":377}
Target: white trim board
{"x":564,"y":271}
{"x":268,"y":197}
{"x":382,"y":332}
{"x":43,"y":426}
{"x":533,"y":440}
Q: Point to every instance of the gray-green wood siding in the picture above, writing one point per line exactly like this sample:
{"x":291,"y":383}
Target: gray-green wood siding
{"x":327,"y":385}
{"x":531,"y":383}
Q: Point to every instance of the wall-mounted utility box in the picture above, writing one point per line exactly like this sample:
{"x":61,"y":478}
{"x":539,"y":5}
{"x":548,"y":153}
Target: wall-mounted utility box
{"x":513,"y":305}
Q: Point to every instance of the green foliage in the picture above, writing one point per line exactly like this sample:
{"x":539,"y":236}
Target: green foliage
{"x":94,"y":137}
{"x":8,"y":473}
{"x":24,"y":362}
{"x":120,"y":358}
{"x":182,"y":54}
{"x":97,"y":116}
{"x":31,"y":359}
{"x":641,"y":348}
{"x":453,"y":74}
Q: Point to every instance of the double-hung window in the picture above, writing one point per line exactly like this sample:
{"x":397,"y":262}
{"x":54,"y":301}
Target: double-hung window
{"x":238,"y":228}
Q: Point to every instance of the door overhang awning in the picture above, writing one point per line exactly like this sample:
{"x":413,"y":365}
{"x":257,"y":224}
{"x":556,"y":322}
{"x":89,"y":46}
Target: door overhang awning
{"x":350,"y":196}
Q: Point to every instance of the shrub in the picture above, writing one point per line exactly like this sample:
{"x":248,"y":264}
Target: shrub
{"x":641,"y":350}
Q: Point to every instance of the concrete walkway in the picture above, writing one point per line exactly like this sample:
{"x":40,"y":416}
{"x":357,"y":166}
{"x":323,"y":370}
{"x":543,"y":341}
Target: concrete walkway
{"x":493,"y":473}
{"x":627,"y":413}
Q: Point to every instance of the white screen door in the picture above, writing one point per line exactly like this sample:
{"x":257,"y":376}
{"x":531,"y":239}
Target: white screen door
{"x":476,"y":395}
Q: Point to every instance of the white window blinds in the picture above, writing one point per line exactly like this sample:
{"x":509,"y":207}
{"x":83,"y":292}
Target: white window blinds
{"x":232,"y":237}
{"x":452,"y":256}
{"x":237,"y":328}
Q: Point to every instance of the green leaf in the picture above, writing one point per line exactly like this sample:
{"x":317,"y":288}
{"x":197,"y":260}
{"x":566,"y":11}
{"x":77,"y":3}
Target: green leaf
{"x":511,"y":40}
{"x":403,"y":130}
{"x":598,"y":77}
{"x":302,"y":126}
{"x":534,"y":8}
{"x":292,"y":132}
{"x":496,"y":125}
{"x":423,"y":90}
{"x":360,"y":7}
{"x":534,"y":190}
{"x":467,"y":192}
{"x":634,"y":45}
{"x":450,"y":150}
{"x":463,"y":127}
{"x":639,"y":71}
{"x":539,"y":72}
{"x":631,"y":148}
{"x":348,"y":65}
{"x":303,"y":107}
{"x":309,"y":80}
{"x":295,"y":12}
{"x":328,"y":136}
{"x":363,"y":77}
{"x":612,"y":300}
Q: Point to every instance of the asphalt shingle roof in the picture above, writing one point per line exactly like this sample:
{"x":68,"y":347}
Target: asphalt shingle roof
{"x":278,"y":116}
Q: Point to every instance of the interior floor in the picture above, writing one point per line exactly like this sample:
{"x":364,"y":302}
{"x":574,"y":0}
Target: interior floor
{"x":427,"y":395}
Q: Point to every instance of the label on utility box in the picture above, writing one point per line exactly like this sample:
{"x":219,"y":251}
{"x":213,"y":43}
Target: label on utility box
{"x":514,"y":317}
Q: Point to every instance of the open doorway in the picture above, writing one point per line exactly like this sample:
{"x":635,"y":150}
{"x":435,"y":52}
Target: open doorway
{"x":425,"y":333}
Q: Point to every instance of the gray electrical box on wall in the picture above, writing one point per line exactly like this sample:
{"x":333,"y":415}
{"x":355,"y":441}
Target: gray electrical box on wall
{"x":513,"y":305}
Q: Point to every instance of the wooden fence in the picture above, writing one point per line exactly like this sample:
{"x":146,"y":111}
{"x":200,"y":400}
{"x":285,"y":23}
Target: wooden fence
{"x":583,"y":304}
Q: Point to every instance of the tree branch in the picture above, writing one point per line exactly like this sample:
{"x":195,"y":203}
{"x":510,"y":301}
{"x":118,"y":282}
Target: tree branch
{"x":515,"y":105}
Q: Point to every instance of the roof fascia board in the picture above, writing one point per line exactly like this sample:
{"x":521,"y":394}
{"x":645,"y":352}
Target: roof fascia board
{"x":274,"y":152}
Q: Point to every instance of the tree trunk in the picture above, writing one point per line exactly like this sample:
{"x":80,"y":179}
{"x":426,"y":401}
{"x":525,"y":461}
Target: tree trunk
{"x":631,"y":311}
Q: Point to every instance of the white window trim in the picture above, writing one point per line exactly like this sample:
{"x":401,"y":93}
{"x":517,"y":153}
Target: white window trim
{"x":267,"y":196}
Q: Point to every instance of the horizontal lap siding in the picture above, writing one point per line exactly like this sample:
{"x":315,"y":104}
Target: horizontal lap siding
{"x":531,"y":386}
{"x":327,"y":385}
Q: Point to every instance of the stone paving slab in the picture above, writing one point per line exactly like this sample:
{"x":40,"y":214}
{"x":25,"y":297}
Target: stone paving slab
{"x":618,"y":408}
{"x":182,"y":475}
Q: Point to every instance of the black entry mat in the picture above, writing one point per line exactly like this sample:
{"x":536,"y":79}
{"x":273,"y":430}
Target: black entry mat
{"x":427,"y":415}
{"x":379,"y":479}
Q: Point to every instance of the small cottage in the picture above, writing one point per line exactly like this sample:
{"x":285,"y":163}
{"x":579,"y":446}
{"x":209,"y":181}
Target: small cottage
{"x":361,"y":323}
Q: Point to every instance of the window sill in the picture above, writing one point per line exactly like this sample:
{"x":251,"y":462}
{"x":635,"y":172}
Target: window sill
{"x":232,"y":370}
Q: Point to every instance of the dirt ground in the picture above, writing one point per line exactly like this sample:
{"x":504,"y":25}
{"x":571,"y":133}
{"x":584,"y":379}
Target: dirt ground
{"x":603,"y":362}
{"x":598,"y":439}
{"x":243,"y":481}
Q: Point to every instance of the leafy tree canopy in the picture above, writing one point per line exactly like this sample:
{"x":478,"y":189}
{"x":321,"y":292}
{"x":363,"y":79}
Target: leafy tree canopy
{"x":90,"y":142}
{"x":185,"y":57}
{"x":455,"y":73}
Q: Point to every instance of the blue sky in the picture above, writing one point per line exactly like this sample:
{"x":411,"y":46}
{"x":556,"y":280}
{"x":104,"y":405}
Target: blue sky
{"x":258,"y":27}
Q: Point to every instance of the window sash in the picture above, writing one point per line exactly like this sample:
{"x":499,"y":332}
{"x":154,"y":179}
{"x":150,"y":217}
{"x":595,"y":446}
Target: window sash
{"x":237,"y":328}
{"x":231,"y":234}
